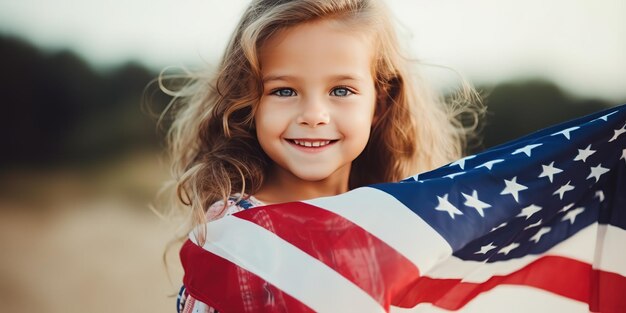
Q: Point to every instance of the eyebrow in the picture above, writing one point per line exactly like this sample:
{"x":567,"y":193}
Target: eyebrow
{"x":276,"y":77}
{"x":268,"y":78}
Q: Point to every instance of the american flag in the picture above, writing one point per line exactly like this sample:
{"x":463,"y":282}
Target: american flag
{"x":537,"y":224}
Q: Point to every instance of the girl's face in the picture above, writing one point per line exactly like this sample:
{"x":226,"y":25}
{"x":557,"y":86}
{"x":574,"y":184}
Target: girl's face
{"x":315,"y":115}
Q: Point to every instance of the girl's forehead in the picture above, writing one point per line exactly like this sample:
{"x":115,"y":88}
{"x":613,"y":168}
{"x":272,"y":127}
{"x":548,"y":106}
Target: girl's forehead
{"x":317,"y":48}
{"x":316,"y":29}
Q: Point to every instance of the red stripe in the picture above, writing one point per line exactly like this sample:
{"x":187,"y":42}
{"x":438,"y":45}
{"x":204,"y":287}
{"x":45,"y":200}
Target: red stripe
{"x":342,"y":245}
{"x":563,"y":276}
{"x":608,"y":293}
{"x":229,"y":288}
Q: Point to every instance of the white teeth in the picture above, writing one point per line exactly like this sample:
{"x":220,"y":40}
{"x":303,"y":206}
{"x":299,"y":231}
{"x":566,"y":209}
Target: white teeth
{"x":311,"y":143}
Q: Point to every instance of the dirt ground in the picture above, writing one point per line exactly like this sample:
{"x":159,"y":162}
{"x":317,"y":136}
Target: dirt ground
{"x":78,"y":242}
{"x":99,"y":259}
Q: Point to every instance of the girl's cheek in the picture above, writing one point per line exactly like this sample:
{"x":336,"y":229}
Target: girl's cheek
{"x":271,"y":118}
{"x":359,"y":109}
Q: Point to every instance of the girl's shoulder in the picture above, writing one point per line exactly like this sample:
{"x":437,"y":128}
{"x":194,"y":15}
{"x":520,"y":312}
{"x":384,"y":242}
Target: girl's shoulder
{"x":236,"y":203}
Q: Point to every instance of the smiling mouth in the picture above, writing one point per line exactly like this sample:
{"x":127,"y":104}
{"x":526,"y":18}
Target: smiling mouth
{"x":311,"y":143}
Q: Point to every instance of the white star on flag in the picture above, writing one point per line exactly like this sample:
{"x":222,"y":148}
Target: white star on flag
{"x":490,"y":164}
{"x":583,"y":154}
{"x":529,"y":211}
{"x":499,"y":226}
{"x":549,"y":171}
{"x":513,"y":188}
{"x":507,"y":249}
{"x":533,"y":225}
{"x":566,"y":132}
{"x":461,"y":162}
{"x":618,"y":132}
{"x":571,"y":215}
{"x":597,"y":171}
{"x":623,"y":155}
{"x":453,"y":175}
{"x":600,"y":195}
{"x":446,"y":206}
{"x":542,"y":231}
{"x":472,"y":201}
{"x":486,"y":248}
{"x":527,"y":149}
{"x":416,"y":177}
{"x":567,"y":207}
{"x":604,"y":117}
{"x":565,"y":188}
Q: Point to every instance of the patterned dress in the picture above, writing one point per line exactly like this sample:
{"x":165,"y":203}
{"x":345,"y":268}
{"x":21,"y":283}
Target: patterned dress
{"x":185,"y":303}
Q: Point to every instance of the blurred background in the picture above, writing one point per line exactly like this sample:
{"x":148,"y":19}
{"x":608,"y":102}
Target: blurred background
{"x":82,"y":159}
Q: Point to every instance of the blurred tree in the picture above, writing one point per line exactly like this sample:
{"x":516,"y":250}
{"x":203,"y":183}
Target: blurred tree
{"x":38,"y":106}
{"x":58,"y":110}
{"x":521,"y":107}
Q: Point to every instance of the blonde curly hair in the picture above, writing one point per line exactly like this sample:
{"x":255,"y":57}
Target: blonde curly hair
{"x":212,"y":140}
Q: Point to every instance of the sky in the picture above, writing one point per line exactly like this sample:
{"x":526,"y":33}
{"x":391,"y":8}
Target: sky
{"x":579,"y":44}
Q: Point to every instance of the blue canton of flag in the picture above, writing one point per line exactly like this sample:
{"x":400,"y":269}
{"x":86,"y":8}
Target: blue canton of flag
{"x":526,"y":196}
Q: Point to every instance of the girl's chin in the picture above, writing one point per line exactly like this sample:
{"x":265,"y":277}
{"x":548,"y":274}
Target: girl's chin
{"x":312,"y":173}
{"x":311,"y":177}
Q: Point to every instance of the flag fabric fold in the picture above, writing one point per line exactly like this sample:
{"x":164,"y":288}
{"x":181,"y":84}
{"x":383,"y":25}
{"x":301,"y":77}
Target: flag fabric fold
{"x":535,"y":224}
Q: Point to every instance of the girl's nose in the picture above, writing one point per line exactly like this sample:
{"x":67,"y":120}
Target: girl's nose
{"x":314,"y":113}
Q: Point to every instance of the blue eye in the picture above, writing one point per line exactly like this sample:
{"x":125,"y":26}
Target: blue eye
{"x":284,"y":92}
{"x":341,"y":92}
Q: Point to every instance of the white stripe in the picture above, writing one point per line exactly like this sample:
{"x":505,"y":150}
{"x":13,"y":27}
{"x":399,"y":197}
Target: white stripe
{"x":510,"y":299}
{"x":611,"y":254}
{"x":261,"y":252}
{"x":199,"y":307}
{"x":581,"y":246}
{"x":388,"y":219}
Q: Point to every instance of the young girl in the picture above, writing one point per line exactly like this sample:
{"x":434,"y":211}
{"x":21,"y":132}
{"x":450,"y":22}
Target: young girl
{"x":312,"y":98}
